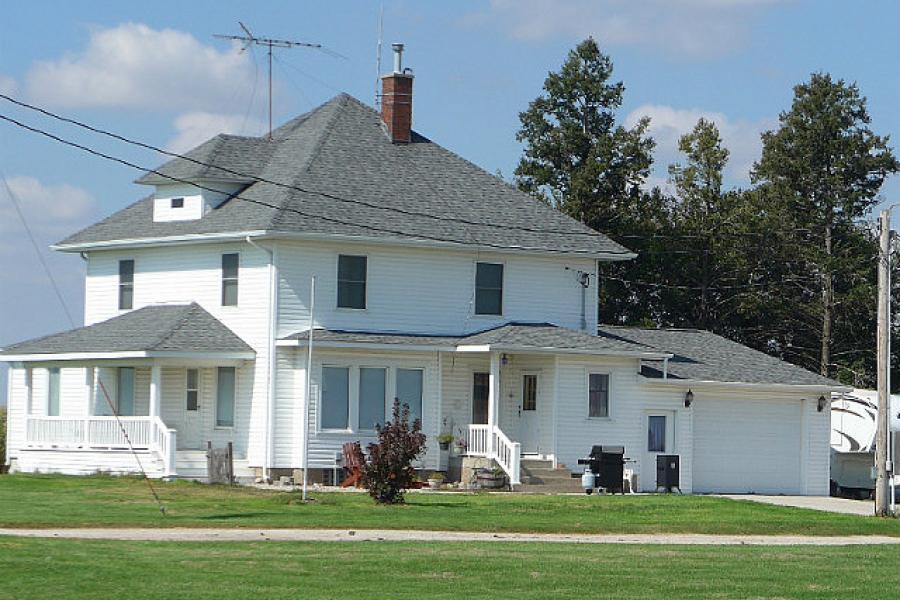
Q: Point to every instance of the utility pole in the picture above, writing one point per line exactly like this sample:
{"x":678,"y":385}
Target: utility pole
{"x":884,"y":488}
{"x":269,"y":44}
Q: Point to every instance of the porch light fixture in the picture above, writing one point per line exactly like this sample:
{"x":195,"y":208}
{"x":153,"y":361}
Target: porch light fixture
{"x":504,"y":360}
{"x":821,"y":404}
{"x":688,"y":399}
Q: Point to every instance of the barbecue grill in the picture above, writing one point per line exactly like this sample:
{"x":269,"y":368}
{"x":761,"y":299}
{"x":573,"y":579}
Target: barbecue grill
{"x":606,"y":463}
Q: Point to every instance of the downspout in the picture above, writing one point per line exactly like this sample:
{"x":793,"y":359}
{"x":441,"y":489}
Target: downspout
{"x":270,"y":366}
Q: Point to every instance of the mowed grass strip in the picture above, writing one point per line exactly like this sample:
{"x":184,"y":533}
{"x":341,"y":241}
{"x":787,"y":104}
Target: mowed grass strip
{"x":59,"y":501}
{"x":71,"y":569}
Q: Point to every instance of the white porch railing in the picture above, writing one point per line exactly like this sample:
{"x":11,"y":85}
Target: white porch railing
{"x":104,"y":433}
{"x":490,"y":442}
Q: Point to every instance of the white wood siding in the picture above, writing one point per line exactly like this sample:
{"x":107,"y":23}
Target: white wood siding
{"x":428,"y":291}
{"x":182,"y":274}
{"x":16,"y":411}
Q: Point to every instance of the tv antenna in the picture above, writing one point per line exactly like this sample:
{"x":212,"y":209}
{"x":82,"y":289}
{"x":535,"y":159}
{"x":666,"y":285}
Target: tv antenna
{"x":249,"y":39}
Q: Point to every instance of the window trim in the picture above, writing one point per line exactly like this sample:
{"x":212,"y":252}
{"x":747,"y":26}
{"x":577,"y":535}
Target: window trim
{"x":223,"y":279}
{"x":216,"y":424}
{"x":609,"y":395}
{"x":337,"y":287}
{"x":120,"y":285}
{"x":475,"y":312}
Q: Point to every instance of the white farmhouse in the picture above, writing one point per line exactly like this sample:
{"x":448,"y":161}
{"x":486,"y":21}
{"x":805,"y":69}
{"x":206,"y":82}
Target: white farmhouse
{"x":436,"y":283}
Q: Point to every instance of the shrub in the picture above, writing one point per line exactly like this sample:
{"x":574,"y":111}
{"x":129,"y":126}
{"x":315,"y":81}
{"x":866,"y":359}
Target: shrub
{"x":389,"y":472}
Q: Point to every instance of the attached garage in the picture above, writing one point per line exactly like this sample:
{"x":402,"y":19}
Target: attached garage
{"x":748,"y":445}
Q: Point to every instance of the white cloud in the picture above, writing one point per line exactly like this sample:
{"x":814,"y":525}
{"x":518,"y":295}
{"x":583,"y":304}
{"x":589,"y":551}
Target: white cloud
{"x":135,"y":67}
{"x":194,"y":128}
{"x":8,"y":86}
{"x":687,"y":28}
{"x":667,"y":124}
{"x":51,"y":210}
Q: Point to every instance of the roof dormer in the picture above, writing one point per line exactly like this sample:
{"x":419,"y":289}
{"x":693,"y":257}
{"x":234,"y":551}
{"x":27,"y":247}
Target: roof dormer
{"x":184,"y":202}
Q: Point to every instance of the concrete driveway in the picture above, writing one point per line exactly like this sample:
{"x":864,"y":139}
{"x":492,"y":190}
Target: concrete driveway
{"x":826,"y":503}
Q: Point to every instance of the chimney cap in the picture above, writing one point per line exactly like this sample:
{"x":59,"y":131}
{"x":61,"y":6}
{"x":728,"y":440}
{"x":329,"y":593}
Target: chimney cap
{"x":398,"y":57}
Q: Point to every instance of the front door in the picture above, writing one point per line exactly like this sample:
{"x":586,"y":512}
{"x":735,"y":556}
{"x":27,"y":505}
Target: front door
{"x":529,"y":425}
{"x":189,"y":435}
{"x":659,"y":438}
{"x":481,"y":387}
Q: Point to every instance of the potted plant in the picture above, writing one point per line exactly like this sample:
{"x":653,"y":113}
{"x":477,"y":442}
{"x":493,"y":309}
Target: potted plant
{"x":444,"y":440}
{"x":491,"y":479}
{"x":436,"y":480}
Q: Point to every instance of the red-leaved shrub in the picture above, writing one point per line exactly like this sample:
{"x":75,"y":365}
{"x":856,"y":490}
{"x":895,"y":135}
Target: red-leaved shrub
{"x":388,"y":472}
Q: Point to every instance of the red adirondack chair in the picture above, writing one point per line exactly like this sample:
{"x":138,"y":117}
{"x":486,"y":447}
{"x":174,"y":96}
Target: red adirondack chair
{"x":354,"y":459}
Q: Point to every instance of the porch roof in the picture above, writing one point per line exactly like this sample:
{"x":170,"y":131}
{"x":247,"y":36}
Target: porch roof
{"x":510,"y":337}
{"x":158,"y":331}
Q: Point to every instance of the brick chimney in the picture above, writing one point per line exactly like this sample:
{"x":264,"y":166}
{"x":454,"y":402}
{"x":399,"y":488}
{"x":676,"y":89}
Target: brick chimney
{"x":396,"y":99}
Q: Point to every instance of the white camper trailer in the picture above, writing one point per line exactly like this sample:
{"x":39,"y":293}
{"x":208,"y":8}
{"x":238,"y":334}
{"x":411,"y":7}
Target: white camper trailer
{"x":853,"y":426}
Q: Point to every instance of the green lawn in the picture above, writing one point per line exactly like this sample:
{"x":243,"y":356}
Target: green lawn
{"x":45,"y":500}
{"x":66,"y":569}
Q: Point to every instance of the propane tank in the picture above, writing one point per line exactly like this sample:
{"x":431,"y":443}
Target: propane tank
{"x":588,"y":480}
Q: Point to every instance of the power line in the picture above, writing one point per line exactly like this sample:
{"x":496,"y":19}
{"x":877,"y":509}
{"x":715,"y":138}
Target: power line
{"x":37,"y":249}
{"x":293,"y":187}
{"x":237,"y":196}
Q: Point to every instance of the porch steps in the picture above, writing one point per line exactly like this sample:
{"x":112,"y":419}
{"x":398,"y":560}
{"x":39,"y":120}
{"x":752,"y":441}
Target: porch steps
{"x":539,"y":477}
{"x":191,"y":464}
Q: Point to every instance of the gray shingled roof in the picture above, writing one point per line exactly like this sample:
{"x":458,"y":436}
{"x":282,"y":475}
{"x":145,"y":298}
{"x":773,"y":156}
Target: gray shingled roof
{"x":161,"y":328}
{"x":341,"y":149}
{"x":533,"y":336}
{"x":234,"y":154}
{"x":704,"y":356}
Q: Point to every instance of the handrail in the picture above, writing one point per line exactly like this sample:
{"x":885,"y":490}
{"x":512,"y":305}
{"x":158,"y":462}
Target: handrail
{"x":490,"y":442}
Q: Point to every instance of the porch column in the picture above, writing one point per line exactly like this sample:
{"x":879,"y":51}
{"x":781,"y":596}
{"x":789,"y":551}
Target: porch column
{"x":155,"y":389}
{"x":493,"y":399}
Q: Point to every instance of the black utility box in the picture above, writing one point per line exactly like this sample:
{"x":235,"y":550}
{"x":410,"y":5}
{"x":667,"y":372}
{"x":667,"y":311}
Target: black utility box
{"x":668,"y":472}
{"x":607,"y":464}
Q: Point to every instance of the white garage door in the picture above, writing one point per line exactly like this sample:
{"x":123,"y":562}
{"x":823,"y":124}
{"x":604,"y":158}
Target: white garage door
{"x":744,"y":445}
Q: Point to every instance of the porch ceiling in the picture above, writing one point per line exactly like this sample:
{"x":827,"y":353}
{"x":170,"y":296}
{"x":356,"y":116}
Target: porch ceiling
{"x":175,"y":332}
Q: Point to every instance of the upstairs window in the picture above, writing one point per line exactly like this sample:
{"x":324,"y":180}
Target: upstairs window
{"x":230,"y":279}
{"x":177,"y":203}
{"x":488,"y":288}
{"x":351,"y":281}
{"x":126,"y":284}
{"x":598,"y":395}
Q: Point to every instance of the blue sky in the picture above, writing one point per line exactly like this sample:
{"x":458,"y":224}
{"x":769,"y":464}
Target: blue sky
{"x":153,"y":71}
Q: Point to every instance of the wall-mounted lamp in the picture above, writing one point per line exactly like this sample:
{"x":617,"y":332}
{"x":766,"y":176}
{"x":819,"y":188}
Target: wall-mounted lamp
{"x":688,"y":398}
{"x":504,"y":360}
{"x":821,"y":404}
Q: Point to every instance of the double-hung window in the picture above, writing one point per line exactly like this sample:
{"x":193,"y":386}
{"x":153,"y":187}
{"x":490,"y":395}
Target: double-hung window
{"x":351,"y":279}
{"x":225,"y":389}
{"x":335,"y":398}
{"x":126,"y":284}
{"x":488,"y":288}
{"x":409,"y":391}
{"x":598,"y":395}
{"x":53,"y":392}
{"x":125,"y":392}
{"x":230,"y":263}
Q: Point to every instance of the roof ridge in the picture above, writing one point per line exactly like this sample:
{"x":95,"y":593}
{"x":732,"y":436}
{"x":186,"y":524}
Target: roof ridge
{"x":324,"y":133}
{"x":166,"y":335}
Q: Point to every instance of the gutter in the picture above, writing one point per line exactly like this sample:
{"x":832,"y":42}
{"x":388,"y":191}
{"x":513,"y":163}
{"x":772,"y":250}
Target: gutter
{"x":700,"y":383}
{"x":270,"y":365}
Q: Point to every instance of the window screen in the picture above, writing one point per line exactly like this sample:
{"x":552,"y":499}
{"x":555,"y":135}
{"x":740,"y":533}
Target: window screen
{"x":53,"y":392}
{"x":230,"y":279}
{"x":409,"y":391}
{"x":371,"y":397}
{"x":125,"y":391}
{"x":335,"y":398}
{"x":126,"y":284}
{"x":351,"y":281}
{"x":225,"y":388}
{"x":488,"y":289}
{"x":598,"y":396}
